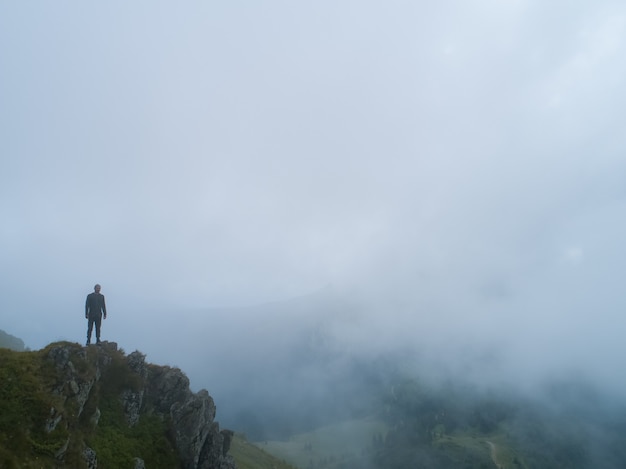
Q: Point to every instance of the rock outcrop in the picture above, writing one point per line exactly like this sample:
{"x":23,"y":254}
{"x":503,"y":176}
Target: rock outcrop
{"x":85,"y":378}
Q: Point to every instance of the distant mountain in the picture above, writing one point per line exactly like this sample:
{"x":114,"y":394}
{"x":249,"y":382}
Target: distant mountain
{"x":11,"y":342}
{"x":285,"y":372}
{"x":417,"y":424}
{"x":76,"y":407}
{"x":289,"y":372}
{"x":570,"y":426}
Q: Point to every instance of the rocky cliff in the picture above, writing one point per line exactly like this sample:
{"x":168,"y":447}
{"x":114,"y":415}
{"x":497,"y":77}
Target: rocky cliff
{"x":96,"y":407}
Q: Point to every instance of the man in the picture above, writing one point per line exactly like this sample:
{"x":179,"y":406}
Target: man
{"x":94,"y":308}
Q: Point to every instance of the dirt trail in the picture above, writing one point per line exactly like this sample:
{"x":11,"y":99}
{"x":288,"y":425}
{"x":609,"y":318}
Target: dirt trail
{"x":494,"y":455}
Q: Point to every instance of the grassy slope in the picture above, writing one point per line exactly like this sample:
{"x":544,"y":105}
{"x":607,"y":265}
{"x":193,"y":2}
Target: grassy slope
{"x":25,"y":401}
{"x":325,"y":446}
{"x":249,"y":456}
{"x":496,"y":446}
{"x":24,"y":406}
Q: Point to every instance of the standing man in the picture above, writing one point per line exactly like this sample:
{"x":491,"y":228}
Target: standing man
{"x":94,"y":308}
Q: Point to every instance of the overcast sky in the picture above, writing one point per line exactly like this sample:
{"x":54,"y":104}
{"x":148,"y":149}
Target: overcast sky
{"x":459,"y":165}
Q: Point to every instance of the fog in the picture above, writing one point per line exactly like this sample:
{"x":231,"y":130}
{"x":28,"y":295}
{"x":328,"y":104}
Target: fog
{"x":445,"y":180}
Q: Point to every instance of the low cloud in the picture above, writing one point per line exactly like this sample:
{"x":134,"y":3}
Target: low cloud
{"x":454,"y":172}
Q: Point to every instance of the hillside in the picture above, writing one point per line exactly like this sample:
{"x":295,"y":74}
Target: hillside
{"x":296,"y":397}
{"x":250,"y":456}
{"x":87,"y":407}
{"x":76,"y":407}
{"x":417,"y":424}
{"x":11,"y":342}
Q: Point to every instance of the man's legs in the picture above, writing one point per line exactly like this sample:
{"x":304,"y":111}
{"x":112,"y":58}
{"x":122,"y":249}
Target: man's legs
{"x":89,"y":329}
{"x":98,"y":321}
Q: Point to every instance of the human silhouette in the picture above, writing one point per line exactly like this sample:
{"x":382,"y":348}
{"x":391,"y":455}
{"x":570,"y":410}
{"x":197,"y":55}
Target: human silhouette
{"x":95,"y":308}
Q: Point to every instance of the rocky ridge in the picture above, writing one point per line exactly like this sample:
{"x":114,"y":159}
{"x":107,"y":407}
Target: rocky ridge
{"x":88,"y":384}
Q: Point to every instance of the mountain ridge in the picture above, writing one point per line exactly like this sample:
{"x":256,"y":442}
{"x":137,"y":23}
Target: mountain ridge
{"x":11,"y":342}
{"x":87,"y":407}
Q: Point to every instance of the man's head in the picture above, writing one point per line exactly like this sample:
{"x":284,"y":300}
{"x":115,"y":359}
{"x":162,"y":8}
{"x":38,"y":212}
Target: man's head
{"x":96,"y":288}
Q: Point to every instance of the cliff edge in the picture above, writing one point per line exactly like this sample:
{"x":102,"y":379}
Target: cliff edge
{"x":71,"y":406}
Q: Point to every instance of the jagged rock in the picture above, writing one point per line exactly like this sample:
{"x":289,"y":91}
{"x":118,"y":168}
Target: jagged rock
{"x":227,"y":435}
{"x":82,"y":395}
{"x":74,"y":386}
{"x":137,"y":363}
{"x":89,"y":455}
{"x":104,"y":358}
{"x":131,"y":402}
{"x":53,"y":420}
{"x":95,"y":418}
{"x":193,"y":423}
{"x":132,"y":399}
{"x":80,"y":378}
{"x":108,"y":346}
{"x":70,"y":384}
{"x":166,"y":386}
{"x":198,"y":437}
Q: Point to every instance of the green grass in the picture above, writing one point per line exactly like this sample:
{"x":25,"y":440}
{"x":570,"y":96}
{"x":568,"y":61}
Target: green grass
{"x":482,"y":447}
{"x":26,"y":399}
{"x":341,"y":445}
{"x":250,"y":456}
{"x":328,"y":446}
{"x":115,"y":442}
{"x":25,"y":405}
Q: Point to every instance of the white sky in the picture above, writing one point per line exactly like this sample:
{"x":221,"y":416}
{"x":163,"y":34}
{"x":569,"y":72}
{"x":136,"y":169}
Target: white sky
{"x":454,"y":162}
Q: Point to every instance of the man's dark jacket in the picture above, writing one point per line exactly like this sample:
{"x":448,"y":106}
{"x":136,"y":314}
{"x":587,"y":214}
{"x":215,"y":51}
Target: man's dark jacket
{"x":94,"y":306}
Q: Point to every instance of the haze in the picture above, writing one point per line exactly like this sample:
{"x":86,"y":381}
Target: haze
{"x":454,"y":171}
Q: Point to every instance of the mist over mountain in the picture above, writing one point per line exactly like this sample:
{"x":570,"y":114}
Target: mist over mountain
{"x":453,"y":170}
{"x":425,"y":418}
{"x":484,"y":377}
{"x":312,"y":361}
{"x":290,"y":367}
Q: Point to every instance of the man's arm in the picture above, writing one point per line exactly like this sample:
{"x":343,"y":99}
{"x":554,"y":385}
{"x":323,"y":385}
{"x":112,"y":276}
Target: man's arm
{"x":87,"y":307}
{"x":104,"y":307}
